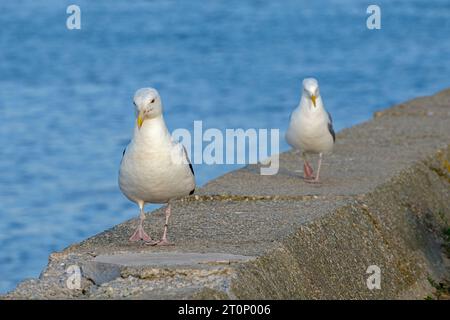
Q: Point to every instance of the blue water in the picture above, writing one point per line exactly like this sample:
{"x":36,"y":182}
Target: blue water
{"x":66,"y":108}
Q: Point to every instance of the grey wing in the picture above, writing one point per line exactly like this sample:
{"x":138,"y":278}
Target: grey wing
{"x":123,"y":154}
{"x":190,"y":167}
{"x":189,"y":161}
{"x":330,"y":127}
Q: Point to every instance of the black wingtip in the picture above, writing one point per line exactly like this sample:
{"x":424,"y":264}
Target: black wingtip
{"x":330,"y":128}
{"x":123,"y":154}
{"x":189,"y":161}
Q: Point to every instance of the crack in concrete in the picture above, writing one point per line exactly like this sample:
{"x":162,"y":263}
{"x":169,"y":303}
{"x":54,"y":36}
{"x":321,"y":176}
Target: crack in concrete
{"x":230,"y":197}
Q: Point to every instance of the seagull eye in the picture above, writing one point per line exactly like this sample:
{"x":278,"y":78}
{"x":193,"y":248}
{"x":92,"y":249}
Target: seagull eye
{"x":152,"y":101}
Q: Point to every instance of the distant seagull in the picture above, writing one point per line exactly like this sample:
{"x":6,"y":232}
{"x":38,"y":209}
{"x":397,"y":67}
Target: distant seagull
{"x":154,"y":168}
{"x":311,"y":127}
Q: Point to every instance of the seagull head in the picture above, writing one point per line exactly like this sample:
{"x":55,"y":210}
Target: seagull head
{"x":148,"y":105}
{"x":311,"y":89}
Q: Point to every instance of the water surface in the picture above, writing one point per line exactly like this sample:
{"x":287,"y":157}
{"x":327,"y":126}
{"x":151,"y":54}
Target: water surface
{"x":66,"y":108}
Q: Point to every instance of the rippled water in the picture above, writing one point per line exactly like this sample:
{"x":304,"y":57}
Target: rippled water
{"x":65,"y":96}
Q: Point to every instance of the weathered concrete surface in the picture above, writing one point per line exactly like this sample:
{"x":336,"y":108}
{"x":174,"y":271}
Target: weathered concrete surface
{"x":384,"y":200}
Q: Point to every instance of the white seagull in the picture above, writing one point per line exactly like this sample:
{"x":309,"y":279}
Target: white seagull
{"x":154,"y":168}
{"x":311,"y":128}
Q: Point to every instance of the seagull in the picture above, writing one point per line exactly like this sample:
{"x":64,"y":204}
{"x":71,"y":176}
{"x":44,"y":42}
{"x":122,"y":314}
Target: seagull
{"x":154,"y":168}
{"x":311,"y":128}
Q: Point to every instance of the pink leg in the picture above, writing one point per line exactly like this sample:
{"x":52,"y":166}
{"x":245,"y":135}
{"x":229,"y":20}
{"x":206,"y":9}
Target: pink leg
{"x":319,"y":164}
{"x":164,"y":241}
{"x":140,"y":233}
{"x":307,"y":169}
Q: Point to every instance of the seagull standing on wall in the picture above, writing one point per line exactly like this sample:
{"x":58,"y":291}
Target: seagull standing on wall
{"x":154,"y":168}
{"x":311,"y":128}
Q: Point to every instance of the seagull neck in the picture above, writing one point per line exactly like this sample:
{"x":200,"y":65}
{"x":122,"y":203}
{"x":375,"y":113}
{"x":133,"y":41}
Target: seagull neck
{"x":307,"y":104}
{"x":152,"y":129}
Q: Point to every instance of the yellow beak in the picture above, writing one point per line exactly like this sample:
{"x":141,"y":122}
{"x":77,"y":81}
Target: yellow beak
{"x":313,"y":98}
{"x":140,"y":120}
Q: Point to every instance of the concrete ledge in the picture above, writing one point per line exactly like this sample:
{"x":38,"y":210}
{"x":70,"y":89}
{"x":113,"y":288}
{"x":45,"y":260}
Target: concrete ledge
{"x":385,"y":201}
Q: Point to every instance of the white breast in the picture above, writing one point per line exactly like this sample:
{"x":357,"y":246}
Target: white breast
{"x":308,"y":131}
{"x":154,"y":169}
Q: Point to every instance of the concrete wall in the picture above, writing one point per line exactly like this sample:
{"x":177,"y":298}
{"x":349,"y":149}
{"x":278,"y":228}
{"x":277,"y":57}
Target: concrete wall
{"x":384,"y":200}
